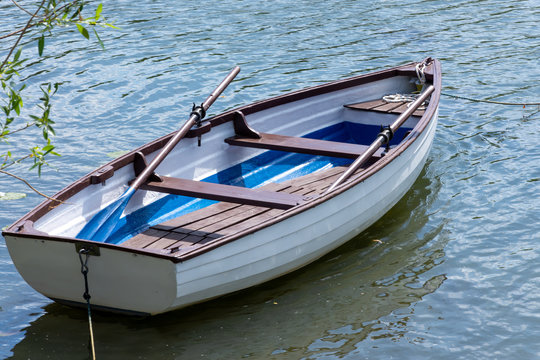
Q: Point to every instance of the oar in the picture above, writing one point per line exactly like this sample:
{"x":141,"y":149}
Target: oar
{"x":103,"y":223}
{"x":383,"y":138}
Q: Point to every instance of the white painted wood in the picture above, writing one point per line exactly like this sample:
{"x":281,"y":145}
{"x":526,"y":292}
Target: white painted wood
{"x":117,"y":279}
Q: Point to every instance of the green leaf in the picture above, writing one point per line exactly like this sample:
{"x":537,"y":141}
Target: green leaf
{"x":41,"y":44}
{"x":98,"y":11}
{"x":77,"y":13}
{"x":99,"y":39}
{"x":17,"y":103}
{"x":83,"y":31}
{"x":11,"y":196}
{"x":17,"y":55}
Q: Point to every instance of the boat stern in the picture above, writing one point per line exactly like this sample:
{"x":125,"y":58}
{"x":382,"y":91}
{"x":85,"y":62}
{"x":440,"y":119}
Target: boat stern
{"x":118,"y":281}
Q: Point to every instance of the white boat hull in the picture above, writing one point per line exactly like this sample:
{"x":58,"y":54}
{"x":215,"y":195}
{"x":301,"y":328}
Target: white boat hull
{"x":146,"y":282}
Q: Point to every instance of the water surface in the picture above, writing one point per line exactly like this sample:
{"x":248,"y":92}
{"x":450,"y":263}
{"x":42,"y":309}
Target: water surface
{"x":452,"y":269}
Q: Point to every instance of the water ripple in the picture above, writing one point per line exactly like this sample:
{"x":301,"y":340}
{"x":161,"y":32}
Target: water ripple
{"x":452,"y":268}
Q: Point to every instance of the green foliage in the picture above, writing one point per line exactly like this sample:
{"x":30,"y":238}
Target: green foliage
{"x":11,"y":196}
{"x":48,"y":15}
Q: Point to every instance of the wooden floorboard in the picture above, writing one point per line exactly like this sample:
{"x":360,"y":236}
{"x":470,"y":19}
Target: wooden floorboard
{"x":145,"y":238}
{"x":382,"y":106}
{"x":196,"y":216}
{"x":254,"y":216}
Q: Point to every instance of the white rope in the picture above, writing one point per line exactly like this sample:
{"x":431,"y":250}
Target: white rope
{"x":420,"y":67}
{"x":395,"y":98}
{"x":409,"y":98}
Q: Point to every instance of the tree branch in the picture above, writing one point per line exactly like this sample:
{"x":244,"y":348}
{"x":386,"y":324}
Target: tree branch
{"x":28,"y":25}
{"x":20,"y":7}
{"x":6,"y":165}
{"x":30,"y":186}
{"x":45,"y":18}
{"x":11,"y":132}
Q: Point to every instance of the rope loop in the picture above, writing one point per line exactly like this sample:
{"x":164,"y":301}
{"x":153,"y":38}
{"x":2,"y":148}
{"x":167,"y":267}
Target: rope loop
{"x":84,"y":264}
{"x":420,"y":67}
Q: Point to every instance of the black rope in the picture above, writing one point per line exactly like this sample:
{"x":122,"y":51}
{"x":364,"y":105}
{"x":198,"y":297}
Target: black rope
{"x":86,"y":296}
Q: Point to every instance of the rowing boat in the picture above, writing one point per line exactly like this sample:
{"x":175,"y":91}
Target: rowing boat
{"x":245,"y":197}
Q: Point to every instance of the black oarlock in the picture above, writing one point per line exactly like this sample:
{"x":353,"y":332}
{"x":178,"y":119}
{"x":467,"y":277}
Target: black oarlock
{"x":387,"y":134}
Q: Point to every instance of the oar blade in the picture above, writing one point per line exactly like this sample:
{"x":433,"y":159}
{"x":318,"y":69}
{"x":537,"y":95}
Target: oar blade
{"x":101,"y":226}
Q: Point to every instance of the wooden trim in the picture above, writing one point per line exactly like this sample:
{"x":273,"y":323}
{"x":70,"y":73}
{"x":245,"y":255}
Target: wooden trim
{"x":302,"y":145}
{"x":220,"y":192}
{"x":241,"y":127}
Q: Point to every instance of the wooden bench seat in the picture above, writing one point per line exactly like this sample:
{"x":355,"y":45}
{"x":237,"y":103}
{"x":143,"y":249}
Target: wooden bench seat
{"x":301,"y":145}
{"x":220,"y":192}
{"x":380,"y":105}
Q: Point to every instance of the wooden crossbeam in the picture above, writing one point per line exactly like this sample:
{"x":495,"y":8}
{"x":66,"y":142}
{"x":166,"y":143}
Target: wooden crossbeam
{"x":220,"y":192}
{"x":301,"y":145}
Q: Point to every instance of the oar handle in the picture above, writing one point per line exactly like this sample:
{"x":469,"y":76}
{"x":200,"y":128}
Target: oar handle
{"x":195,"y":116}
{"x":217,"y":91}
{"x":382,"y":138}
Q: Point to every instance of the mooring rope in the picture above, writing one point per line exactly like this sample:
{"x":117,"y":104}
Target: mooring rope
{"x":86,"y":296}
{"x":490,"y":101}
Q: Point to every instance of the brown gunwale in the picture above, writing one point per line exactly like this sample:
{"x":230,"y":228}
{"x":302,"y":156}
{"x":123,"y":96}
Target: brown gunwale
{"x":433,"y":75}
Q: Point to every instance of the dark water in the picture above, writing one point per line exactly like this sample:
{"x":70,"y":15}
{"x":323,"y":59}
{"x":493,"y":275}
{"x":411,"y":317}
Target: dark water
{"x":451,"y":272}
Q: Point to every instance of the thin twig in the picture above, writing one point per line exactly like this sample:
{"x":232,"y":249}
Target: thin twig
{"x":30,"y":186}
{"x":46,"y":18}
{"x":28,"y":24}
{"x":11,"y":132}
{"x":11,"y":34}
{"x":4,"y":166}
{"x":20,"y":7}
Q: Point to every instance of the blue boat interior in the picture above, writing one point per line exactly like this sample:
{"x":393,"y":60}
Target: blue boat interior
{"x":269,"y":167}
